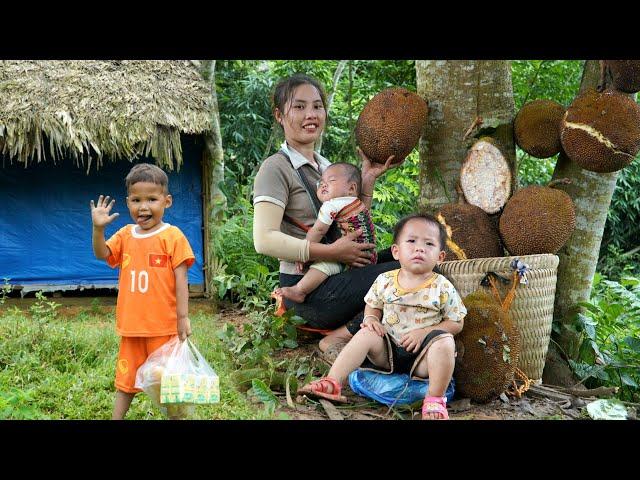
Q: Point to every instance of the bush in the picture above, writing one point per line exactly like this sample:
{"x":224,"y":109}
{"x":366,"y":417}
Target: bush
{"x":610,"y":323}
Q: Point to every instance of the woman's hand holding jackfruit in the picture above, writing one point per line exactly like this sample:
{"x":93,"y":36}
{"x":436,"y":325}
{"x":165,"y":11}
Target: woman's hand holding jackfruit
{"x":372,"y":170}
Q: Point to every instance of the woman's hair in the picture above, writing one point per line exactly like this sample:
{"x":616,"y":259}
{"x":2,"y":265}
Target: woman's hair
{"x":284,"y":90}
{"x":146,"y":172}
{"x":397,"y":230}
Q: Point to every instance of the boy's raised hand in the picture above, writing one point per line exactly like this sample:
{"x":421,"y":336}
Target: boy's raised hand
{"x":100,"y":212}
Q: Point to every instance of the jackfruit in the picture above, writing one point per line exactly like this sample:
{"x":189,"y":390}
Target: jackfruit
{"x":472,"y":230}
{"x":601,"y":131}
{"x":488,"y":349}
{"x":537,"y":128}
{"x":625,"y":75}
{"x":391,"y":124}
{"x":537,"y":219}
{"x":485,"y":176}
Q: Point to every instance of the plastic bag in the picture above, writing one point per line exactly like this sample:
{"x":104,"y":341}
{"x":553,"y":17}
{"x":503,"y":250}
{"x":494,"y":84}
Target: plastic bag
{"x":170,"y":358}
{"x":392,"y":389}
{"x":188,"y":378}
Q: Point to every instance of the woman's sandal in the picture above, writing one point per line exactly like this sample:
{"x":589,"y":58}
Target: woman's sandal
{"x":280,"y":308}
{"x":318,"y":388}
{"x":437,"y":405}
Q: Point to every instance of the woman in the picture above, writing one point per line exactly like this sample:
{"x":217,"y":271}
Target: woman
{"x":282,"y":202}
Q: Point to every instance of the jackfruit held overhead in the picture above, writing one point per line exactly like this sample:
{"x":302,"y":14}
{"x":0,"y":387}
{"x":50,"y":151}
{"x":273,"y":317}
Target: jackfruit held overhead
{"x":601,"y":131}
{"x":485,"y":176}
{"x":625,"y":75}
{"x":391,"y":124}
{"x":472,"y":231}
{"x":537,"y":128}
{"x":537,"y":220}
{"x":488,"y":349}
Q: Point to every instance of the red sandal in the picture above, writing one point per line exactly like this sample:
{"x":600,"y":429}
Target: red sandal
{"x":280,"y":308}
{"x":436,"y":405}
{"x":318,"y":388}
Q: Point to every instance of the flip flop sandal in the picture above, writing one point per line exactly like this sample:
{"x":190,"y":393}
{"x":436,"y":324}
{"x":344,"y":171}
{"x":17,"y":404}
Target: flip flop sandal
{"x":280,"y":308}
{"x":436,"y":405}
{"x":318,"y":388}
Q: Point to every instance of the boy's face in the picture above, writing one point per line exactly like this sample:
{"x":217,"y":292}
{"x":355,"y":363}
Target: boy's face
{"x":418,"y":247}
{"x":146,"y":202}
{"x":334,"y":184}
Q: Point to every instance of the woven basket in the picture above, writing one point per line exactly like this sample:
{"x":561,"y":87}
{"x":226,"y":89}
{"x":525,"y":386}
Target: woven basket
{"x":532,"y":308}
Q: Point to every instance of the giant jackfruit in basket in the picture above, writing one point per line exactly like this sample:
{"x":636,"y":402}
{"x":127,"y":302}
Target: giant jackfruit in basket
{"x":488,"y":349}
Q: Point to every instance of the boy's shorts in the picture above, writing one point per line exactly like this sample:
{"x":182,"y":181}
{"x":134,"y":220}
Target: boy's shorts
{"x":134,"y":351}
{"x":402,"y":361}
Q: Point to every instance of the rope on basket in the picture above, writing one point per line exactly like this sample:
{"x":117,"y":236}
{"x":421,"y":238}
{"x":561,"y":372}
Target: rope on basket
{"x":519,"y":276}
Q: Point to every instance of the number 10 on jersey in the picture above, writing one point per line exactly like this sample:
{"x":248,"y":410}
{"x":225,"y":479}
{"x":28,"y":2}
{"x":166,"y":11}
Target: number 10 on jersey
{"x":142,"y":281}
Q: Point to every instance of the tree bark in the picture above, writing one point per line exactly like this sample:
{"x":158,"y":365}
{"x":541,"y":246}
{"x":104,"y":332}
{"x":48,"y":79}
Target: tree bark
{"x":215,"y":201}
{"x":591,"y":194}
{"x":336,"y":79}
{"x":458,"y":92}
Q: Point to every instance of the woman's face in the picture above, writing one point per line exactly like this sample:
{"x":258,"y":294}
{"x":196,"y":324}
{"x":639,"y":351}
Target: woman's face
{"x":304,"y":116}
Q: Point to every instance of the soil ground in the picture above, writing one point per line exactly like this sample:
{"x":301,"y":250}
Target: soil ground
{"x":528,"y":407}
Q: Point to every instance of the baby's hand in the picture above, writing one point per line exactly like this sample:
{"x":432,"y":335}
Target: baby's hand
{"x":100,"y":212}
{"x":299,"y":267}
{"x":373,"y":325}
{"x":412,"y":340}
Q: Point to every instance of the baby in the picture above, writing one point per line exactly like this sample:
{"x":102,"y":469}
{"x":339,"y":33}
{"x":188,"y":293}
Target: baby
{"x":339,"y":190}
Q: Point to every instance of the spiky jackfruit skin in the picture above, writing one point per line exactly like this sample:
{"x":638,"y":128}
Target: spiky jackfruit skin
{"x":537,"y":220}
{"x":391,"y":124}
{"x":488,"y":349}
{"x":625,"y":75}
{"x":601,"y":131}
{"x":537,"y":128}
{"x":472,"y":230}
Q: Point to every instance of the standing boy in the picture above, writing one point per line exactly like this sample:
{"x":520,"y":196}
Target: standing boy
{"x":153,"y":257}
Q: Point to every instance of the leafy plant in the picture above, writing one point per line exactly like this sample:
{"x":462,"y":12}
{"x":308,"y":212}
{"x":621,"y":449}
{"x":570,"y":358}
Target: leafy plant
{"x":610,"y":323}
{"x":5,"y":290}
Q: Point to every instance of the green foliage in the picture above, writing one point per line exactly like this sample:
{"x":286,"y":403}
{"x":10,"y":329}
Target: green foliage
{"x":69,"y":372}
{"x":4,"y":291}
{"x":239,"y":270}
{"x":610,"y":325}
{"x":622,"y":230}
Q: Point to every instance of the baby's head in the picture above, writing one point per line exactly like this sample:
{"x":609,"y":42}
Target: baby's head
{"x":147,"y":195}
{"x":418,"y":243}
{"x":340,"y":180}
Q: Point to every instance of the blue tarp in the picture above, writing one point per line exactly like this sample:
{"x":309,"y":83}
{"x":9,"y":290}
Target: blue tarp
{"x":45,"y":219}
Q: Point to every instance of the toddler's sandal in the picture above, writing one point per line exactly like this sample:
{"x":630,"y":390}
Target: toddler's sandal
{"x":437,"y":405}
{"x":318,"y":388}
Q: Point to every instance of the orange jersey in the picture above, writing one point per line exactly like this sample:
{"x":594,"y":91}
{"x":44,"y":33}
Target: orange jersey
{"x":146,"y":283}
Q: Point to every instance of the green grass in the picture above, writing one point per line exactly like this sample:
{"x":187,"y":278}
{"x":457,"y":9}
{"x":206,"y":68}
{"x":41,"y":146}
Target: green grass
{"x":63,"y":368}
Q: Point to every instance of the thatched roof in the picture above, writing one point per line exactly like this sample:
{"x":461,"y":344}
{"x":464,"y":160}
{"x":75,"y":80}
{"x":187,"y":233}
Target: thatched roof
{"x":93,"y":109}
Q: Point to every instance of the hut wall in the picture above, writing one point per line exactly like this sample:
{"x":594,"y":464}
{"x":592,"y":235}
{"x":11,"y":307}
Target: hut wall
{"x":45,"y":220}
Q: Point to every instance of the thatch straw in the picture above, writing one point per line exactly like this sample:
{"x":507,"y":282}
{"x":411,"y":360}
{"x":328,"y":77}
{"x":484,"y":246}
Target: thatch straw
{"x":89,"y":110}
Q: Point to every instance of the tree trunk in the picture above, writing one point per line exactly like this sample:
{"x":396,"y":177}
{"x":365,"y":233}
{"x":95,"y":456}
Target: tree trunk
{"x":458,"y":92}
{"x":215,"y":201}
{"x":591,"y":194}
{"x":336,"y":79}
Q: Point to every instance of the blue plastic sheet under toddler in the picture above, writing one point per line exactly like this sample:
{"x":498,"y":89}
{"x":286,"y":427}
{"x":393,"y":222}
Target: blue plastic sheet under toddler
{"x":392,"y":389}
